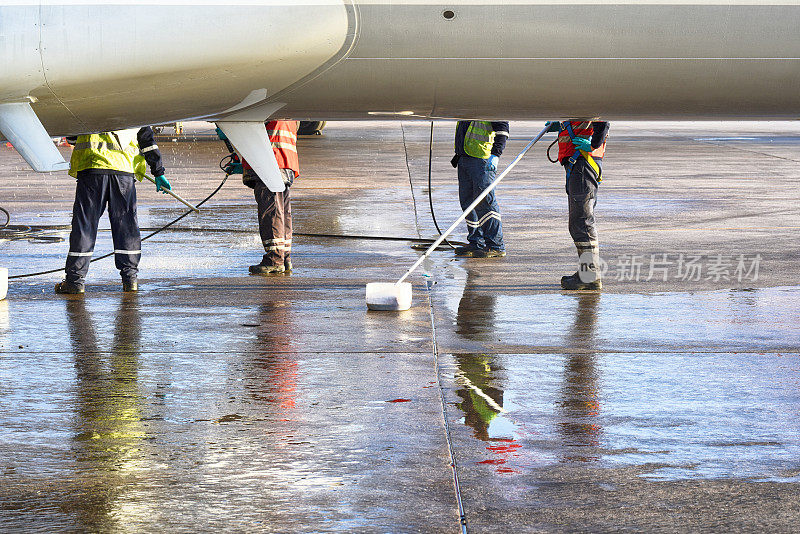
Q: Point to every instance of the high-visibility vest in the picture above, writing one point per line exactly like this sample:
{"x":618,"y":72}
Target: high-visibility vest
{"x":115,"y":151}
{"x":283,"y":136}
{"x":581,"y":129}
{"x":479,"y":139}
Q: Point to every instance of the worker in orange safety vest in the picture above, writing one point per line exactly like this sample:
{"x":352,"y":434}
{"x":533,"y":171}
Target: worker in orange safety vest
{"x":581,"y":147}
{"x":274,"y":209}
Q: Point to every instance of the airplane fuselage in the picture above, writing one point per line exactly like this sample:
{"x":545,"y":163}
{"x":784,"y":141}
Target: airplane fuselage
{"x":96,"y":66}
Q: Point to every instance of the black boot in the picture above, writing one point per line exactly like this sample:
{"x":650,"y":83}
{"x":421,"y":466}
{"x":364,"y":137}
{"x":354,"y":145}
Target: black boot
{"x":266,"y":269}
{"x":573,"y":282}
{"x":130,"y":286}
{"x":68,"y":288}
{"x":467,"y":251}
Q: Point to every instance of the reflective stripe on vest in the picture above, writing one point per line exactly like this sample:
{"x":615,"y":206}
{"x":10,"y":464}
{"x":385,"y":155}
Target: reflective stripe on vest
{"x":282,"y":133}
{"x":283,"y":136}
{"x":115,"y":151}
{"x":479,"y":139}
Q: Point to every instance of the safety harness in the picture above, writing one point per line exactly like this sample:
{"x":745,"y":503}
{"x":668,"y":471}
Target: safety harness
{"x":586,"y":155}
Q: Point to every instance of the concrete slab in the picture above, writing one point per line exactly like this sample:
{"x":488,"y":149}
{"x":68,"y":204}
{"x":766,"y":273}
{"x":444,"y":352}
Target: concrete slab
{"x":218,"y":400}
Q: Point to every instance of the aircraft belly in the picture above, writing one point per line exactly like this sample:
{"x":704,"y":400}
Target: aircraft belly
{"x":516,"y":61}
{"x":116,"y":66}
{"x":20,"y":64}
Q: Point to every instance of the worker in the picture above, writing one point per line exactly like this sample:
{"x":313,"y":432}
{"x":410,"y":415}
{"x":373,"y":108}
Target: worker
{"x":104,"y":164}
{"x":581,"y":147}
{"x":478,"y":146}
{"x":274,"y":209}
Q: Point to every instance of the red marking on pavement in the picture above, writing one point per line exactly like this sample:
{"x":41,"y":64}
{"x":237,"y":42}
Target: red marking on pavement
{"x":507,"y":471}
{"x":504,"y":449}
{"x":494,"y":461}
{"x":400,"y":400}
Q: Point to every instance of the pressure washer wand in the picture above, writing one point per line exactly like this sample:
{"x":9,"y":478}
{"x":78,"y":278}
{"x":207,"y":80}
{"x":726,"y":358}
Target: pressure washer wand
{"x":473,"y":205}
{"x":176,"y":196}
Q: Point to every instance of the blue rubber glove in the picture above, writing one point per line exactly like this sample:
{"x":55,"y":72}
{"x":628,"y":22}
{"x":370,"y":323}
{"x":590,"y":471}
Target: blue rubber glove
{"x":491,"y":163}
{"x":234,"y":168}
{"x":552,"y":126}
{"x":581,"y":143}
{"x":162,"y":184}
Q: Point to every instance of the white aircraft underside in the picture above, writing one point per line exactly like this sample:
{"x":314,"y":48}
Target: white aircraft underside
{"x":97,"y":66}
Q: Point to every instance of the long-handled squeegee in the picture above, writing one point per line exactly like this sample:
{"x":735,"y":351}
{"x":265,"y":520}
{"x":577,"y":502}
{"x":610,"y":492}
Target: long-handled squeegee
{"x":387,"y":296}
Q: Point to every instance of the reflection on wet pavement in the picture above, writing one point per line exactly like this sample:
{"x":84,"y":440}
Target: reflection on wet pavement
{"x":108,"y":444}
{"x":579,"y":403}
{"x":609,"y":401}
{"x":124,"y":430}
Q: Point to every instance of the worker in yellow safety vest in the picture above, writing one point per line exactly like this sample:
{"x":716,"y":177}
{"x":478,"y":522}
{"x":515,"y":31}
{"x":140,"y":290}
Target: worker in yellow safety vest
{"x":478,"y":146}
{"x":104,"y":165}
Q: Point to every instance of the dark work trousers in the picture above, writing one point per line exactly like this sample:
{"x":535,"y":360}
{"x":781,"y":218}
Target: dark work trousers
{"x":92,"y":194}
{"x":582,"y":193}
{"x":275,"y":222}
{"x":484,"y":229}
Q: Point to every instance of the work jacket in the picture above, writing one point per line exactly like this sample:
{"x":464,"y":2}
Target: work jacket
{"x":118,"y":151}
{"x":481,"y":139}
{"x":283,"y":136}
{"x":595,"y":131}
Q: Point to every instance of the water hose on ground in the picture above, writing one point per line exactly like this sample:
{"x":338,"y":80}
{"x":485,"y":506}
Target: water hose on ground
{"x":430,"y":189}
{"x":24,"y":232}
{"x":148,"y":236}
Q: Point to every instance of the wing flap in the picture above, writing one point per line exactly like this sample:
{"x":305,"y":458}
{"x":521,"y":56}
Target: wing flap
{"x":20,"y":125}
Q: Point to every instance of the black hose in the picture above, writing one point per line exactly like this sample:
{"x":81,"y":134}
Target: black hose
{"x":430,"y":189}
{"x":231,"y":158}
{"x":8,"y":218}
{"x":548,"y":152}
{"x":148,"y":236}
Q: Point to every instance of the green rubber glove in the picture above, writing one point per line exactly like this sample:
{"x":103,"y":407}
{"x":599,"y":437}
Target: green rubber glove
{"x":552,"y":126}
{"x":162,"y":184}
{"x":581,"y":143}
{"x":233,"y":168}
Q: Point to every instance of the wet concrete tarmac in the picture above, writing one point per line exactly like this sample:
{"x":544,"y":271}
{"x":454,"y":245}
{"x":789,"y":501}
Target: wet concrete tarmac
{"x":217,"y":400}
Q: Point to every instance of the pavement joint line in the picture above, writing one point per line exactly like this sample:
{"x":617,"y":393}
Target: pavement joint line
{"x":453,"y":464}
{"x":410,"y":181}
